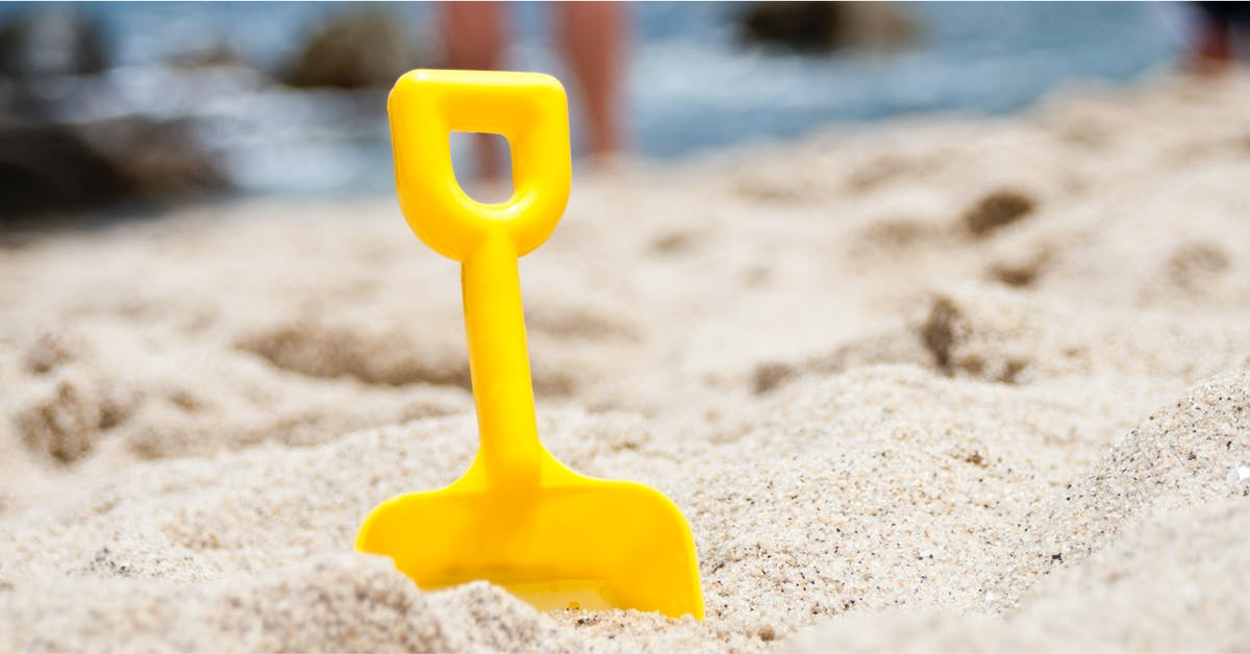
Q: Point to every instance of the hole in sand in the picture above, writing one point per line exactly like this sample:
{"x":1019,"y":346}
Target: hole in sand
{"x":997,"y":210}
{"x":484,"y":161}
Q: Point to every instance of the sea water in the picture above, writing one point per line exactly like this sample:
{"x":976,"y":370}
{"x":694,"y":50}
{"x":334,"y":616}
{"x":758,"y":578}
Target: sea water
{"x":691,"y":85}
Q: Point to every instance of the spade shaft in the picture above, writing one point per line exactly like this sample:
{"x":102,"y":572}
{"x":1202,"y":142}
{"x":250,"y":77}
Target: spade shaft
{"x":499,"y":365}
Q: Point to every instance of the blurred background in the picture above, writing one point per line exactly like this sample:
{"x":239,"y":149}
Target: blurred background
{"x":108,"y":103}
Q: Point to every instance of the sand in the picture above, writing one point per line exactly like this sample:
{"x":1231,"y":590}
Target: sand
{"x":940,"y":384}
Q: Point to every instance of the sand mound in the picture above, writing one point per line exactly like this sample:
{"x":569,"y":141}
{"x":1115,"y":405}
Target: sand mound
{"x":344,"y":603}
{"x":1140,"y":552}
{"x":1174,"y":581}
{"x":1187,"y":454}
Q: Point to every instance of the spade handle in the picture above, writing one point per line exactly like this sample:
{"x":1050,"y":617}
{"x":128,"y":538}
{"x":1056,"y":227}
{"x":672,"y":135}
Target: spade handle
{"x":531,"y":111}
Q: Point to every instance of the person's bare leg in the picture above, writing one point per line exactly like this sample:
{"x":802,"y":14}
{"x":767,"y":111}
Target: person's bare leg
{"x":1215,"y":51}
{"x":594,"y":36}
{"x":475,"y":41}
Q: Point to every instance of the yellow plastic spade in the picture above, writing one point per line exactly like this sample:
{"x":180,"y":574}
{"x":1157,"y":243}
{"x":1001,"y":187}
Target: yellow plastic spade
{"x":518,"y":517}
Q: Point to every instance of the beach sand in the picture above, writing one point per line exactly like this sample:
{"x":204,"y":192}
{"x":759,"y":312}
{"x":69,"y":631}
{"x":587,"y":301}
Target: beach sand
{"x":939,"y":384}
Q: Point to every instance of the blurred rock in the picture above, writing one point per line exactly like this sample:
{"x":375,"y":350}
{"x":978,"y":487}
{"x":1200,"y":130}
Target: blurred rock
{"x":58,"y":152}
{"x":825,"y":27}
{"x":46,"y":167}
{"x":159,"y":158}
{"x":364,"y":48}
{"x":50,"y":42}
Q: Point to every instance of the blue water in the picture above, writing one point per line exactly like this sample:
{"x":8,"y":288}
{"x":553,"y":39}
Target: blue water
{"x":690,"y":87}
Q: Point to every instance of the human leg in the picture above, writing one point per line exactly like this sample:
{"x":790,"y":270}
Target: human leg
{"x":593,"y":36}
{"x":474,"y":38}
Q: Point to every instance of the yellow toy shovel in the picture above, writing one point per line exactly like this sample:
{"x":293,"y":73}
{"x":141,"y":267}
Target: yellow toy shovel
{"x":518,"y":517}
